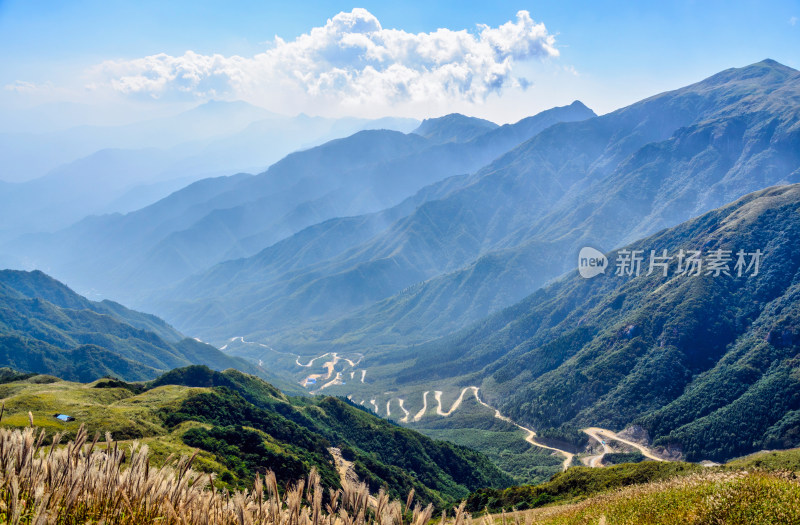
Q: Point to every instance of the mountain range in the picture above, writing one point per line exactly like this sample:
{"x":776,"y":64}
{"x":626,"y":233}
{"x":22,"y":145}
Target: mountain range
{"x":116,"y":169}
{"x":219,"y":219}
{"x":682,"y":360}
{"x":468,"y":246}
{"x":703,"y":362}
{"x":442,"y":261}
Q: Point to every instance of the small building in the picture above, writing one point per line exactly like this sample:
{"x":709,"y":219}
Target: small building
{"x":63,"y":417}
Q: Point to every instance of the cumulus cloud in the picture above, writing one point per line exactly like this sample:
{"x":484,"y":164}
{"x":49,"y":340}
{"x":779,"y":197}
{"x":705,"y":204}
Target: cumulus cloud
{"x":352,"y":59}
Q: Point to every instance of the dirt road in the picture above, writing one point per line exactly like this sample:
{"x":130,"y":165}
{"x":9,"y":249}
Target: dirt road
{"x":602,"y":434}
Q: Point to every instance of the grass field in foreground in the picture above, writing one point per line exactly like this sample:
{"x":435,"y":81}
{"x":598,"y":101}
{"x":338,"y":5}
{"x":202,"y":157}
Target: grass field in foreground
{"x":729,"y":497}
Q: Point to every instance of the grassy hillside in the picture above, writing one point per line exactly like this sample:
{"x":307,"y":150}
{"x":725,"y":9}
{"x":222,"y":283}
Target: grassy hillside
{"x":739,"y":498}
{"x":575,"y":484}
{"x":776,"y":460}
{"x":244,"y":426}
{"x":656,"y":483}
{"x":86,"y":481}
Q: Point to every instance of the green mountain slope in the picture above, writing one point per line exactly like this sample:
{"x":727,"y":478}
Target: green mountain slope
{"x":705,"y":364}
{"x":33,"y":285}
{"x":47,"y":328}
{"x":243,"y":426}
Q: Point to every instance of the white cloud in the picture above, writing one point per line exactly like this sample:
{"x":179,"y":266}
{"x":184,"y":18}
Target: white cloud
{"x":349,"y":61}
{"x":22,"y":86}
{"x":571,"y":70}
{"x":793,"y":21}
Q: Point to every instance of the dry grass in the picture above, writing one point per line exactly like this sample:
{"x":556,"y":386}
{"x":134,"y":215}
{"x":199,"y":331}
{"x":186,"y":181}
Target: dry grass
{"x":91,"y":482}
{"x":718,"y":497}
{"x":43,"y":483}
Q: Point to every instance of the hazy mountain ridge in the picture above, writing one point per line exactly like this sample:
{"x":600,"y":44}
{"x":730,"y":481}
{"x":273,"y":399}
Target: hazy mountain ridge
{"x":309,"y":247}
{"x":411,"y":265}
{"x":588,"y":198}
{"x":454,"y":128}
{"x":110,"y":169}
{"x":344,"y":177}
{"x":21,"y":152}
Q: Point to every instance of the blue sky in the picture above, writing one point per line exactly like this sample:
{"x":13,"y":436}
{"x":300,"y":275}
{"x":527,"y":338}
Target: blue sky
{"x":607,"y":54}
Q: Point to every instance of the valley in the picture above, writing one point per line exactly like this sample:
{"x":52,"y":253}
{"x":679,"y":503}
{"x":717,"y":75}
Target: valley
{"x":332,"y":376}
{"x":379,"y":380}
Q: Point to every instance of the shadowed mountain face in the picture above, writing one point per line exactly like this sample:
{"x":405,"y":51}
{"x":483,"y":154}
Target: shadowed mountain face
{"x":46,"y":328}
{"x":516,"y":223}
{"x":705,"y":359}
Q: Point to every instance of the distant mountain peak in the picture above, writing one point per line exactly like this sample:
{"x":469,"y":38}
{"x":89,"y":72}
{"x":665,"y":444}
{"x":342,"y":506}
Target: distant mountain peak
{"x":577,"y":104}
{"x":765,"y":66}
{"x":214,"y":103}
{"x":225,"y":107}
{"x":773,"y":63}
{"x":766,"y":71}
{"x":574,"y":112}
{"x":454,"y":127}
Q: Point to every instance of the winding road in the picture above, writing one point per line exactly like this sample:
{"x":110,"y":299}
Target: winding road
{"x":437,"y":394}
{"x":530,"y":436}
{"x":601,"y":435}
{"x":400,"y":401}
{"x":424,"y":408}
{"x":596,"y":460}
